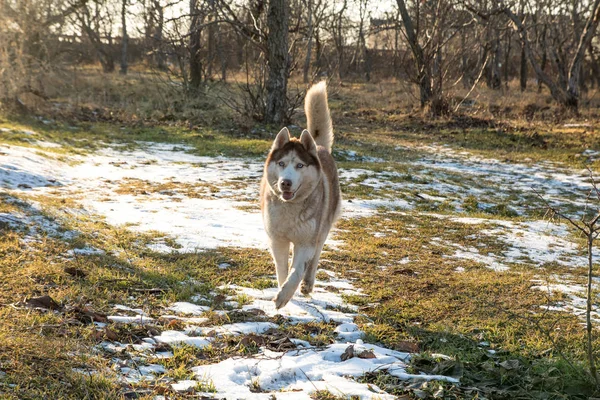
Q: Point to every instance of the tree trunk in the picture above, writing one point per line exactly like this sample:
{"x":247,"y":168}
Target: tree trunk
{"x":339,"y":41}
{"x":543,"y":63}
{"x":523,"y":58}
{"x":507,"y":59}
{"x":437,"y":73}
{"x":368,"y":63}
{"x":91,"y":32}
{"x":124,"y":38}
{"x":556,"y":91}
{"x":577,"y":63}
{"x":211,"y":41}
{"x":523,"y":70}
{"x":159,"y":55}
{"x":423,"y":68}
{"x":319,"y":53}
{"x":464,"y":61}
{"x":222,"y":54}
{"x":277,"y":61}
{"x":194,"y":46}
{"x":595,"y":78}
{"x":494,"y":81}
{"x":396,"y":63}
{"x":306,"y":67}
{"x":425,"y":89}
{"x":360,"y":54}
{"x":107,"y":62}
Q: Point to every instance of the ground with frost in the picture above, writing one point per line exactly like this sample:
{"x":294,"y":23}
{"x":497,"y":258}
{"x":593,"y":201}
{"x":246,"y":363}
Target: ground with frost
{"x":193,"y":204}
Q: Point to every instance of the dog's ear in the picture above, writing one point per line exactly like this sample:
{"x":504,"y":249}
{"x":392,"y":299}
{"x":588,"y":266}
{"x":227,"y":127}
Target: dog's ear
{"x":281,"y":139}
{"x":309,"y":143}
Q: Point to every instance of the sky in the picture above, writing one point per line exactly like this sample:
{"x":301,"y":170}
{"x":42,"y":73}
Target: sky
{"x":175,"y":14}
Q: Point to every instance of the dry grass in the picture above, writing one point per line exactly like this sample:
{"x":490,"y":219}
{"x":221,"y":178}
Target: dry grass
{"x":199,"y":190}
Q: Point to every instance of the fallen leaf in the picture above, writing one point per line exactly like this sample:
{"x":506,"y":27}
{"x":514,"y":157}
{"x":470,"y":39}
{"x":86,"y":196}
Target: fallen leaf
{"x":99,"y":336}
{"x":75,"y":272}
{"x":282,"y":344}
{"x":510,"y":364}
{"x":253,"y":340}
{"x":449,"y":367}
{"x":162,"y":347}
{"x":406,"y":271}
{"x":153,"y":331}
{"x":110,"y":334}
{"x":256,"y":311}
{"x":87,"y":315}
{"x":218,"y":299}
{"x":46,"y":302}
{"x":406,"y":346}
{"x":366,"y":354}
{"x":176,"y":324}
{"x":136,"y":394}
{"x":348,"y":353}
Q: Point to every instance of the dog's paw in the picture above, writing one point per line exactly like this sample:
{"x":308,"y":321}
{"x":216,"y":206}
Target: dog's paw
{"x":306,"y":288}
{"x":281,"y":299}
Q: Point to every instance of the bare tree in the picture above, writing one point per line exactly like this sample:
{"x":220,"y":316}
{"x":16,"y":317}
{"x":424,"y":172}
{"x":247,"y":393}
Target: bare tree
{"x":306,"y":67}
{"x":124,"y":38}
{"x":95,"y":21}
{"x":277,"y":61}
{"x":211,"y":40}
{"x":153,"y":31}
{"x":523,"y":55}
{"x":195,"y":45}
{"x":338,"y":34}
{"x":421,"y":63}
{"x":589,"y":225}
{"x":426,"y":46}
{"x":29,"y":50}
{"x":361,"y":52}
{"x":565,"y":87}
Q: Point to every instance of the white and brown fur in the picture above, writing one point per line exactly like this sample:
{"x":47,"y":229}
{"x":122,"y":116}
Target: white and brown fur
{"x":300,"y":197}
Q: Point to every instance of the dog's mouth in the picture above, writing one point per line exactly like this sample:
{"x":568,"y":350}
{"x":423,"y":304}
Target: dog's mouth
{"x":289,"y":195}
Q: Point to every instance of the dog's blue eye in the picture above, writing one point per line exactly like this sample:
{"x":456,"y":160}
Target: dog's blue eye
{"x":281,"y":164}
{"x":299,"y":165}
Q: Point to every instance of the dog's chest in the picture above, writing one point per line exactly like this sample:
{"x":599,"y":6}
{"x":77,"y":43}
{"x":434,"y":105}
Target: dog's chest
{"x":290,"y":222}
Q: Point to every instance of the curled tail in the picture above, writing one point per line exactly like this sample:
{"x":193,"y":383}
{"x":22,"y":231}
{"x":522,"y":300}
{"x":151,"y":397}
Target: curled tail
{"x":317,"y":115}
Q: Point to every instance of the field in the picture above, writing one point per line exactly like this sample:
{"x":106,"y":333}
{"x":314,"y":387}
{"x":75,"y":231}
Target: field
{"x":133,"y":262}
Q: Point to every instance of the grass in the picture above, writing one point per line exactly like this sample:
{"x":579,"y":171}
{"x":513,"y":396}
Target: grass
{"x":136,"y":187}
{"x":445,"y":312}
{"x":425,"y":306}
{"x":36,"y":364}
{"x":428,"y":304}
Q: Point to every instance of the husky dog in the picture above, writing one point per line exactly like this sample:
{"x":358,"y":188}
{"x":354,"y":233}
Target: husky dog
{"x":300,"y":197}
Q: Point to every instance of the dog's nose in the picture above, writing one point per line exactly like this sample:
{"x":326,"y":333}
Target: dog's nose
{"x":286,"y":184}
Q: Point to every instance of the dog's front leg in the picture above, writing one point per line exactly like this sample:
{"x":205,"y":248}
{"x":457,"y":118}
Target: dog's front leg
{"x":280,"y":250}
{"x":302,"y":256}
{"x":311,"y":271}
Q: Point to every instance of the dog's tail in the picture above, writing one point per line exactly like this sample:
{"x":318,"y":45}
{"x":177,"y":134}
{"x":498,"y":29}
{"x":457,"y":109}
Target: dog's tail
{"x":317,"y":115}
